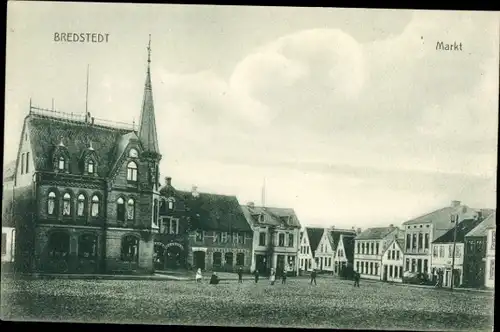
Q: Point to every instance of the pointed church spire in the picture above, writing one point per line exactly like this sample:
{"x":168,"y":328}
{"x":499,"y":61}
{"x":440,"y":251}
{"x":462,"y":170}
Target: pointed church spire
{"x":147,"y":123}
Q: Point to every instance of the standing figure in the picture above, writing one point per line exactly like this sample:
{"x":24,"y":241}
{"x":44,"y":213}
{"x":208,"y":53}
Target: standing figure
{"x":240,"y":275}
{"x":214,"y":280}
{"x":272,"y":277}
{"x":283,"y":276}
{"x":256,"y":275}
{"x":313,"y":276}
{"x":356,"y":279}
{"x":199,"y":276}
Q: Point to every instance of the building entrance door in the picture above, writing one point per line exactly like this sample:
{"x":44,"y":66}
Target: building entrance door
{"x":199,"y":260}
{"x":385,"y":273}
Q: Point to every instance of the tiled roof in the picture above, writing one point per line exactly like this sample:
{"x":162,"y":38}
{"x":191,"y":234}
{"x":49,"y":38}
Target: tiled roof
{"x":216,"y":212}
{"x":272,"y":216}
{"x":482,"y":229}
{"x":9,"y":170}
{"x":334,"y":237}
{"x":17,"y":205}
{"x":438,"y":216}
{"x":349,"y":247}
{"x":46,"y":133}
{"x":376,"y":233}
{"x":314,"y":234}
{"x":463,"y":228}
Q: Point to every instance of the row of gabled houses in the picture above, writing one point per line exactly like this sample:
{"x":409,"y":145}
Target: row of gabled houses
{"x":422,"y":249}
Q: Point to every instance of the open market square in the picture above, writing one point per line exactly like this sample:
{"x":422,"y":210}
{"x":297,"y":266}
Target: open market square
{"x":332,"y":303}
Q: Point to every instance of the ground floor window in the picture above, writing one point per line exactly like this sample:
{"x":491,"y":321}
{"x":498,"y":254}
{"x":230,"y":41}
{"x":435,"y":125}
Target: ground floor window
{"x":228,"y":258}
{"x":390,"y":271}
{"x":4,"y":243}
{"x":58,"y":245}
{"x":240,"y":259}
{"x":492,"y":269}
{"x":407,"y":268}
{"x":130,"y":248}
{"x":87,"y":246}
{"x":217,"y":259}
{"x":357,"y":266}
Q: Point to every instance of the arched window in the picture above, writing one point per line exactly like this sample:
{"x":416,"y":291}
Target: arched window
{"x":87,"y":246}
{"x":132,"y":171}
{"x":90,"y":167}
{"x":61,"y":165}
{"x":217,"y":259}
{"x":80,"y":209}
{"x":51,"y":203}
{"x":130,"y":209}
{"x":240,"y":259}
{"x":130,"y":248}
{"x":66,"y":204}
{"x":58,"y":246}
{"x":120,"y":209}
{"x":95,"y":206}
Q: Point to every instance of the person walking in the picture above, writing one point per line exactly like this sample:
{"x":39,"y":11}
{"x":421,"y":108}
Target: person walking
{"x":256,"y":275}
{"x":240,"y":275}
{"x":313,"y":276}
{"x":272,"y":277}
{"x":198,"y":276}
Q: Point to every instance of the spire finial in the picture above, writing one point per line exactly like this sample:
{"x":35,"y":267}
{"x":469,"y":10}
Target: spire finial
{"x":149,"y":49}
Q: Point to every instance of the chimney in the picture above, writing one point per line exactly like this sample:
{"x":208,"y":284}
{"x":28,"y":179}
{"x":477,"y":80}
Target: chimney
{"x":168,"y":181}
{"x":358,"y":231}
{"x":455,"y":203}
{"x":391,"y":225}
{"x":251,"y":204}
{"x":194,"y":191}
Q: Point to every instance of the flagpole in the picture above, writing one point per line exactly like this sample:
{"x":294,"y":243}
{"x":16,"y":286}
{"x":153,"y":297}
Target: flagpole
{"x":87,"y":94}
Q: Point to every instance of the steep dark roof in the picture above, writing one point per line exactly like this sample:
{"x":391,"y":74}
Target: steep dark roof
{"x":401,"y":243}
{"x":334,"y":237}
{"x":46,"y":133}
{"x":376,"y":233}
{"x":9,"y":170}
{"x":314,"y":234}
{"x":272,"y":216}
{"x":348,"y":247}
{"x":482,"y":229}
{"x":17,"y":206}
{"x":213,"y":211}
{"x":464,"y":227}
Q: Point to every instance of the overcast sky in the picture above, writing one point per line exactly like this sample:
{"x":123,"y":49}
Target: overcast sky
{"x":352,"y":116}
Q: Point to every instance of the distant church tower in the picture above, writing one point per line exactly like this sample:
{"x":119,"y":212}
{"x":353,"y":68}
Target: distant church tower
{"x":149,"y":140}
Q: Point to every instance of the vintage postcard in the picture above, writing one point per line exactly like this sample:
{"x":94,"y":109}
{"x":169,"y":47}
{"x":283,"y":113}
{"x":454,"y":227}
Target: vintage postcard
{"x":250,"y":166}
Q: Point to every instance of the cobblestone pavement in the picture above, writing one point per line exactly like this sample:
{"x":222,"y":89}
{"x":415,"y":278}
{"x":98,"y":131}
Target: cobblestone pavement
{"x":333,"y":303}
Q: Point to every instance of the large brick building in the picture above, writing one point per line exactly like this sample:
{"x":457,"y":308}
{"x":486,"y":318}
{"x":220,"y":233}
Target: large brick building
{"x":90,"y":192}
{"x":202,"y":230}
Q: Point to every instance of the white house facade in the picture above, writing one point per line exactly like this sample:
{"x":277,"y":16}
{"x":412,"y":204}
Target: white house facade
{"x":490,"y":258}
{"x":393,"y":261}
{"x":325,"y":254}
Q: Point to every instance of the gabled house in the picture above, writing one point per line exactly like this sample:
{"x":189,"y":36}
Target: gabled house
{"x":305,"y":255}
{"x":369,"y":247}
{"x":314,"y":235}
{"x":276,"y":233}
{"x":344,"y":253}
{"x":91,"y":192}
{"x":202,"y":230}
{"x":325,"y":253}
{"x":478,"y":264}
{"x":420,"y":232}
{"x":393,"y":261}
{"x":443,"y":248}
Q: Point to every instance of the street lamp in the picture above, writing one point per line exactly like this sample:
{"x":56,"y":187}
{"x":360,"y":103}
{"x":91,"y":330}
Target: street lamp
{"x":454,"y":219}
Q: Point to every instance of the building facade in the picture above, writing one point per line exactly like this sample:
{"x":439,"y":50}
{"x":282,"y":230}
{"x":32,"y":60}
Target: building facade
{"x":393,"y":261}
{"x":490,"y":257}
{"x":422,"y":231}
{"x":325,"y":252}
{"x":91,"y":192}
{"x":344,"y":253}
{"x":369,"y":247}
{"x":305,"y":255}
{"x":276,"y":237}
{"x":202,"y":230}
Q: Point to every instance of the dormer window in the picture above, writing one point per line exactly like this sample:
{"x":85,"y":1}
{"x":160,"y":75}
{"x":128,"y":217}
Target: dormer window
{"x":61,"y":165}
{"x":90,"y":167}
{"x":170,"y":203}
{"x":132,"y":171}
